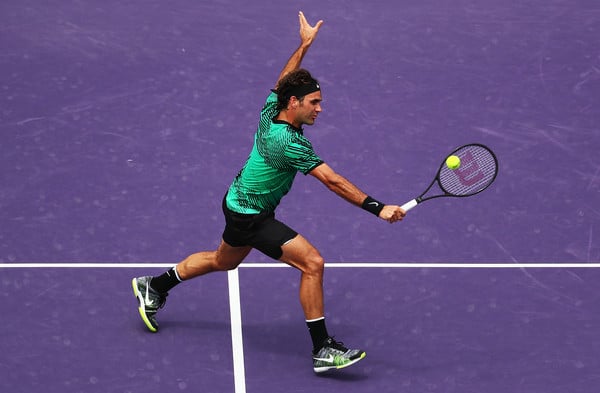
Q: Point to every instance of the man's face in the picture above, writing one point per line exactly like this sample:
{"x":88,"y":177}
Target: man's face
{"x":309,"y":108}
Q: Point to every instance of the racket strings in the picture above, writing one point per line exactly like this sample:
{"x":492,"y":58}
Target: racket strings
{"x":477,"y":170}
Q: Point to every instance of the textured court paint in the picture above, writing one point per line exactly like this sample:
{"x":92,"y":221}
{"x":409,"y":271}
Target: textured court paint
{"x":77,"y":331}
{"x":122,"y":124}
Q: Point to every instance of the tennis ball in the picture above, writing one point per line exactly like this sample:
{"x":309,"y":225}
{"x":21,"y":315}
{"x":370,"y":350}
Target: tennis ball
{"x":453,"y":162}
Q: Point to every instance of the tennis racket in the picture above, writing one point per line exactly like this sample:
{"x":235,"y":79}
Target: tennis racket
{"x":478,"y":169}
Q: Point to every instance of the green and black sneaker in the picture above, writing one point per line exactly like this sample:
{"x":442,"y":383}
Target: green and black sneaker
{"x":149,"y":301}
{"x":334,"y":355}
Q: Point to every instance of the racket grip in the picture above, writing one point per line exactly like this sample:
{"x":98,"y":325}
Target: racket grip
{"x":409,"y":205}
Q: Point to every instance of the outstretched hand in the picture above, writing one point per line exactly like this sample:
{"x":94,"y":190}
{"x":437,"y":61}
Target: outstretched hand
{"x":308,"y":32}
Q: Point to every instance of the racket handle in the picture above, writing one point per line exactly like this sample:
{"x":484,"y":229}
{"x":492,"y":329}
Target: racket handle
{"x":409,"y":205}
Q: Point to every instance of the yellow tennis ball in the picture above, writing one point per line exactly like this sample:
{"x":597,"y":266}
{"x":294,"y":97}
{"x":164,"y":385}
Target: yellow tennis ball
{"x":453,"y":162}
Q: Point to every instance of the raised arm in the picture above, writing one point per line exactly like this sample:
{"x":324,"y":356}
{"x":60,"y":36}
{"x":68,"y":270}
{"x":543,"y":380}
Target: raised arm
{"x":345,"y":189}
{"x":307,"y":35}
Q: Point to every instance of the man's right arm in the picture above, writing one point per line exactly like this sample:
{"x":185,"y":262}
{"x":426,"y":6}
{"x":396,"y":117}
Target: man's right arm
{"x":351,"y":193}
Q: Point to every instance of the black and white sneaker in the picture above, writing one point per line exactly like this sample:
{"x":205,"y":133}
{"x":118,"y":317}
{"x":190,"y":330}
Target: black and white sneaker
{"x":333,"y":355}
{"x":149,"y":301}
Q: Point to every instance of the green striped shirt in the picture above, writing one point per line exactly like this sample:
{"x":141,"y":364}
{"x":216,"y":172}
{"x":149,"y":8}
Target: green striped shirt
{"x":279,"y":152}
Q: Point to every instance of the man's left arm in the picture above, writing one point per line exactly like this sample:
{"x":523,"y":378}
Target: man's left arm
{"x":307,"y":35}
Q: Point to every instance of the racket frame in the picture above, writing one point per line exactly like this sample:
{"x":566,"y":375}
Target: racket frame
{"x":410,"y":204}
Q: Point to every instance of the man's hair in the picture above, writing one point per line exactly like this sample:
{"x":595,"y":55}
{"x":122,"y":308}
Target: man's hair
{"x":293,"y":83}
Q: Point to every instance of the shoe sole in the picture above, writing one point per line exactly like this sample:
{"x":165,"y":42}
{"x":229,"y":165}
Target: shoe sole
{"x":327,"y":368}
{"x":142,"y":310}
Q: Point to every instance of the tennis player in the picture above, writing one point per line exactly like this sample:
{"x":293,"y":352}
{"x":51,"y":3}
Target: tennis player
{"x":280,"y":151}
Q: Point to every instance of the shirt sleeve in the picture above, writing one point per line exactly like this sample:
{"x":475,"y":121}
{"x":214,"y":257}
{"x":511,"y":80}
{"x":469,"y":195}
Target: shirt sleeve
{"x":301,"y":156}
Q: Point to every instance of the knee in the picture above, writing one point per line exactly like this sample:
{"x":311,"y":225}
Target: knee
{"x":314,"y":264}
{"x":222,"y":263}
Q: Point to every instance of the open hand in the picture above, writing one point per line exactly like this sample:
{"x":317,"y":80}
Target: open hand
{"x":308,"y":32}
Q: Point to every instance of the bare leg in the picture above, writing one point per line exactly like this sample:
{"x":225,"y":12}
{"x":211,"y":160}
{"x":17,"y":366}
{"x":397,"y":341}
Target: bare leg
{"x":224,"y":258}
{"x":302,"y":255}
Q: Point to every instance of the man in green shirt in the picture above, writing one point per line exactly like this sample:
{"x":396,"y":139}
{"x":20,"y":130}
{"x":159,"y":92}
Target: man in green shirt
{"x":280,"y":151}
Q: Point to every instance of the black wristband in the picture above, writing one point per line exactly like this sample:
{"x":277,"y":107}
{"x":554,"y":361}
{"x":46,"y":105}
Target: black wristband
{"x":372,"y":205}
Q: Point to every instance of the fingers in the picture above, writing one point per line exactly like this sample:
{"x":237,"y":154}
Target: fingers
{"x":302,"y":18}
{"x":393,"y":214}
{"x":401,"y":212}
{"x":304,"y":23}
{"x":398,"y":215}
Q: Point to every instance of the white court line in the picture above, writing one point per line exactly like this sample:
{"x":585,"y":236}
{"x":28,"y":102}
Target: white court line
{"x":329,"y":265}
{"x":237,"y":345}
{"x":439,"y":265}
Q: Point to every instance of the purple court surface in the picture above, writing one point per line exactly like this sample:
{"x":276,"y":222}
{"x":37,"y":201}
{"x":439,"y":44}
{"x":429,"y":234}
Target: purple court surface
{"x":123,"y":122}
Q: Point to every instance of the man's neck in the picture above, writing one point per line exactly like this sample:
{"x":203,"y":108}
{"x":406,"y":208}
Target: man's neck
{"x":286,"y":116}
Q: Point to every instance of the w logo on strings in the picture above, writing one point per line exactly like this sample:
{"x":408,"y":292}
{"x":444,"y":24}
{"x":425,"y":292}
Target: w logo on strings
{"x":469,"y":173}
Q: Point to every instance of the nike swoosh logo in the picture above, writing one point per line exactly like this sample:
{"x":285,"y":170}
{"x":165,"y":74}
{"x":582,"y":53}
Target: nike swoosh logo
{"x":374,"y":203}
{"x":147,"y":297}
{"x":329,"y":359}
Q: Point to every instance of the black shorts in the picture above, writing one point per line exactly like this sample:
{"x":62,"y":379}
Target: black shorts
{"x":260,"y":231}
